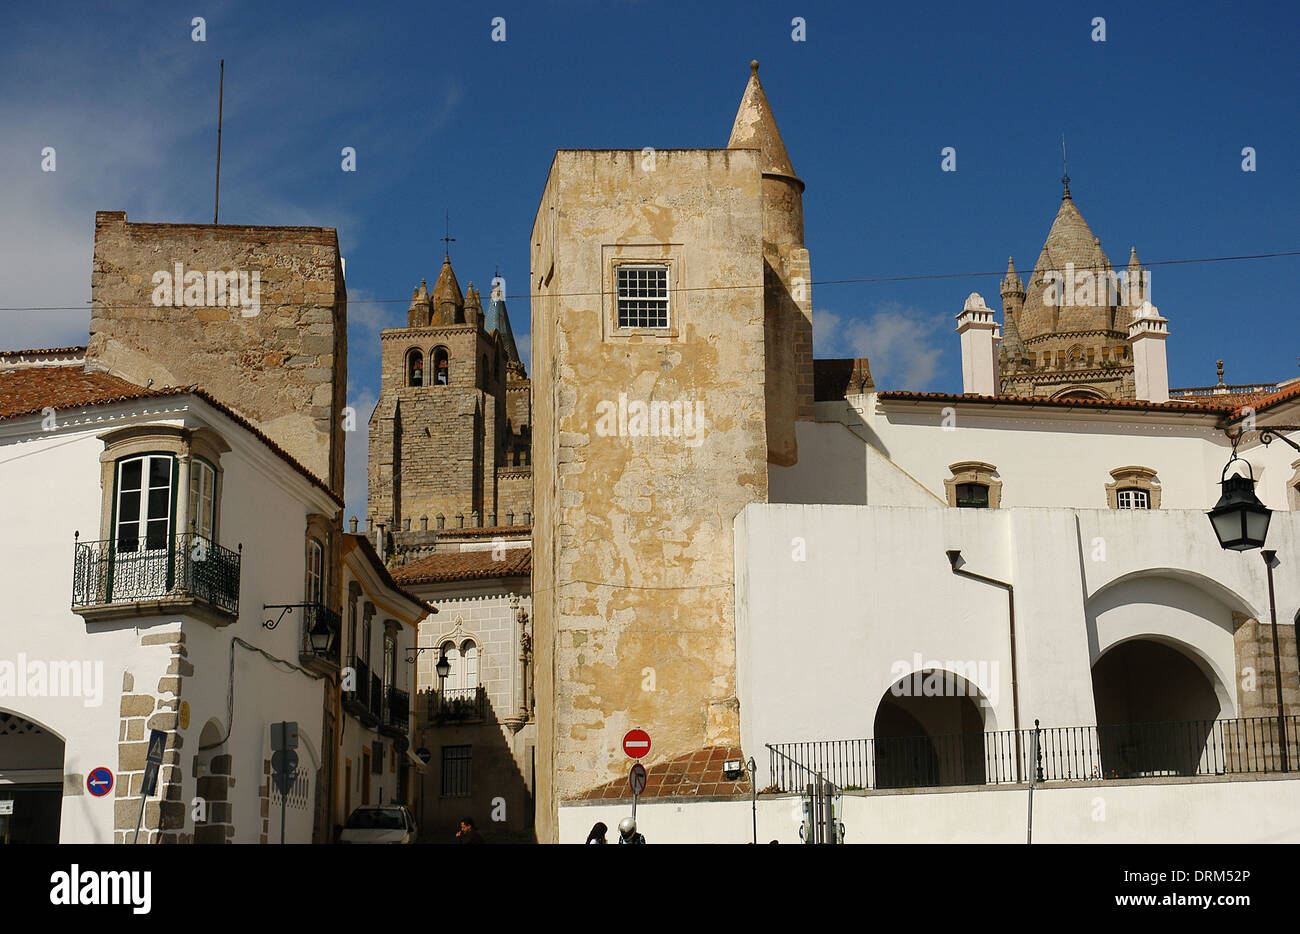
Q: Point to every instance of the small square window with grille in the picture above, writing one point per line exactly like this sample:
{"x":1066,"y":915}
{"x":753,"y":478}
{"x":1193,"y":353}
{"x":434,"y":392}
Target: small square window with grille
{"x":1133,"y":499}
{"x":642,"y":296}
{"x":455,"y":771}
{"x":972,"y":496}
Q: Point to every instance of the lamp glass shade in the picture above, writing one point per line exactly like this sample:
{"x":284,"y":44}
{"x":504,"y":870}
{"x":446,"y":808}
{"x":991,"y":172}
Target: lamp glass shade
{"x":443,"y":667}
{"x":321,"y":636}
{"x":1240,"y":520}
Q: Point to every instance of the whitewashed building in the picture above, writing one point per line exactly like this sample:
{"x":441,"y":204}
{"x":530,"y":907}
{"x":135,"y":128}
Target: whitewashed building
{"x":142,"y":533}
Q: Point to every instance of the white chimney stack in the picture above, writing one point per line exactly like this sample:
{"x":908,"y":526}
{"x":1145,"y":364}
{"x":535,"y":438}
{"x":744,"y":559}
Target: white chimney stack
{"x":1147,"y":335}
{"x":979,"y":347}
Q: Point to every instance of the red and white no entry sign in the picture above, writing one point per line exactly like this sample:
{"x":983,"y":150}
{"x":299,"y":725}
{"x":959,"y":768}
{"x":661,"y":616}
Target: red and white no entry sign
{"x":636,"y":743}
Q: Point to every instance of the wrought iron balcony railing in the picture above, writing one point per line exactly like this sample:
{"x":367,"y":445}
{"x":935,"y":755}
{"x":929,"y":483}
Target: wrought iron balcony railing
{"x":376,"y":697}
{"x":187,"y":565}
{"x":459,"y":704}
{"x":397,"y":710}
{"x":359,"y":696}
{"x":1251,"y":745}
{"x":319,"y":622}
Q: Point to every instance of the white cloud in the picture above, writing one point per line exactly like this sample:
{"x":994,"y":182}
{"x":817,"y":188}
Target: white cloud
{"x":524,"y":344}
{"x":356,"y":456}
{"x":902,"y":343}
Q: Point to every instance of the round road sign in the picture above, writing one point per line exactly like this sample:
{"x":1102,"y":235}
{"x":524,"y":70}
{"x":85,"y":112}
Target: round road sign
{"x":636,"y":743}
{"x":636,"y":779}
{"x":99,"y":782}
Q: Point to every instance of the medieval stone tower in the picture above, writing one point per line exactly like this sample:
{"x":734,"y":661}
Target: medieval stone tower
{"x":672,"y":338}
{"x":1067,"y":334}
{"x":450,"y":435}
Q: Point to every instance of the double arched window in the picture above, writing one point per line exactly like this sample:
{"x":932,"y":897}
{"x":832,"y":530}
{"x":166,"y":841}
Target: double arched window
{"x":462,"y":681}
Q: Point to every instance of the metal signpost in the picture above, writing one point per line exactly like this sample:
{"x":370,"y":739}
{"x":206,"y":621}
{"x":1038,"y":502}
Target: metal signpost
{"x":284,"y":762}
{"x":636,"y":744}
{"x":636,"y":780}
{"x":152,"y":762}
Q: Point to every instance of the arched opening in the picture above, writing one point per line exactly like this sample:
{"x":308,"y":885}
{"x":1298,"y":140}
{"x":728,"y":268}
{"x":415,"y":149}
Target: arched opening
{"x":441,"y":366}
{"x":414,"y":368}
{"x":929,"y":731}
{"x":1155,"y":710}
{"x":31,"y":781}
{"x":212,"y":770}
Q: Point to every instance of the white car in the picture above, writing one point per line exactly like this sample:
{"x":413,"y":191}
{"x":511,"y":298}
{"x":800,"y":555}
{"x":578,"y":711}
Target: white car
{"x":390,"y":824}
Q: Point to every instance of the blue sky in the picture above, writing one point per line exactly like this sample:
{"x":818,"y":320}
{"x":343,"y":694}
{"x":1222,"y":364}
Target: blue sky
{"x":443,"y":119}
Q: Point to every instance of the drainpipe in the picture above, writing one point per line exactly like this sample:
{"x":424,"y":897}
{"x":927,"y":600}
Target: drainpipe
{"x":954,"y":558}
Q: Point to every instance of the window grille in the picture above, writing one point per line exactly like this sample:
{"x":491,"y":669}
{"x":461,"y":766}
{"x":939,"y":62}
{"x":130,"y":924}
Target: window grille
{"x":642,"y":296}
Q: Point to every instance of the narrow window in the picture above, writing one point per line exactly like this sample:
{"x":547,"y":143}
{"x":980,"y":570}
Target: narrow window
{"x":203,"y":482}
{"x":441,"y":370}
{"x":642,"y":296}
{"x":415,"y":368}
{"x":315,"y":572}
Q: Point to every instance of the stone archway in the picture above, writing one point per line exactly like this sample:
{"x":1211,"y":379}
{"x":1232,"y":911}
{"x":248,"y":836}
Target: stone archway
{"x":34,"y":789}
{"x":1156,"y":709}
{"x":929,"y":731}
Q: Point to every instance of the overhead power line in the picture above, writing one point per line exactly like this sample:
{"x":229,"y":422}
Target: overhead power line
{"x":725,"y":288}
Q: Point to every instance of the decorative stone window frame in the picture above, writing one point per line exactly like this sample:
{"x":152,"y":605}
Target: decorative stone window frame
{"x":1293,"y":488}
{"x":973,"y":472}
{"x":1133,"y":477}
{"x":184,"y":444}
{"x":668,"y":255}
{"x":320,"y":530}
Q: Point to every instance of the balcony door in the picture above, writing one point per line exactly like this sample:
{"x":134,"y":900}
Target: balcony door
{"x":142,"y":538}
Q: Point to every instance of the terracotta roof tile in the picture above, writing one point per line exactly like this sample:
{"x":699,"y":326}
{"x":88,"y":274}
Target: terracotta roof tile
{"x":1102,"y":404}
{"x":465,"y":565}
{"x":28,"y":391}
{"x":692,"y":774}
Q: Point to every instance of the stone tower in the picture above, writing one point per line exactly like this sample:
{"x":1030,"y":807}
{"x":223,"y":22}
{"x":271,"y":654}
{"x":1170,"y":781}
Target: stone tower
{"x":672,"y":340}
{"x":256,"y":316}
{"x":1067,"y":334}
{"x":449,"y":437}
{"x":787,"y":275}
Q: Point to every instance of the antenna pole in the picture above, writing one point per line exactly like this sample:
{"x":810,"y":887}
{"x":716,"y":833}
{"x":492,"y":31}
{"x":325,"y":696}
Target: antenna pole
{"x":221,"y":93}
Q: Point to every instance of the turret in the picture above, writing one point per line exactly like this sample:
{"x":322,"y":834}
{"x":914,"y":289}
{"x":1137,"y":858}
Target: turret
{"x":473,"y":306}
{"x":755,"y":128}
{"x":420,"y":312}
{"x":448,"y":302}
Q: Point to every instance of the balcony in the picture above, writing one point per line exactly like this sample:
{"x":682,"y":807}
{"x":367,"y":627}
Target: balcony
{"x":457,"y":705}
{"x":189,"y":573}
{"x":357,"y":701}
{"x":397,"y":712}
{"x":314,"y":651}
{"x":1114,"y":752}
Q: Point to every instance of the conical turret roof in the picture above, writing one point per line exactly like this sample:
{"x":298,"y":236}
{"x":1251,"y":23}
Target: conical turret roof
{"x":447,"y":289}
{"x":755,"y":128}
{"x":498,"y":320}
{"x":1070,"y":241}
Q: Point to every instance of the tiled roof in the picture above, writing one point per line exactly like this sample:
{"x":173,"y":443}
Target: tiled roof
{"x":1102,"y":404}
{"x":518,"y":531}
{"x":690,"y":775}
{"x":43,"y":351}
{"x":29,"y":391}
{"x":465,"y":565}
{"x":363,"y":543}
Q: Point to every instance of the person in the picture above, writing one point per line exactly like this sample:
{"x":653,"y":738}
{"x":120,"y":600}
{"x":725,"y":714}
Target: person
{"x":598,"y":832}
{"x":467,"y":833}
{"x":627,"y":831}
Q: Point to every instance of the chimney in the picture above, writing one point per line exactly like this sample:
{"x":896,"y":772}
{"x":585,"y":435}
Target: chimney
{"x":979,"y":347}
{"x":1147,"y":335}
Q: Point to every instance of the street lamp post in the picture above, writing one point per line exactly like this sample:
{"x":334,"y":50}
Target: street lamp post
{"x":1240,"y":523}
